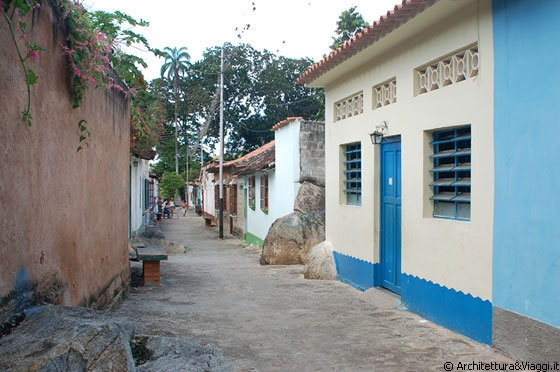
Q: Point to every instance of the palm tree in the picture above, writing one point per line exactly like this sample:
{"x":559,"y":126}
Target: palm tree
{"x":177,"y":63}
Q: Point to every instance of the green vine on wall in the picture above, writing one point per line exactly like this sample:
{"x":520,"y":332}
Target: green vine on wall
{"x":12,"y":10}
{"x":87,"y":50}
{"x":94,"y":59}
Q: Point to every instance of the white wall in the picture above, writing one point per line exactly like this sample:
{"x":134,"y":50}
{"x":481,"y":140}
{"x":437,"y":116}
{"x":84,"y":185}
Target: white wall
{"x":287,"y":169}
{"x":137,"y":193}
{"x":456,"y":253}
{"x":258,"y":222}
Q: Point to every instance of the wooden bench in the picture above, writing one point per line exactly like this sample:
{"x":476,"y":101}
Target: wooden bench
{"x":150,"y":258}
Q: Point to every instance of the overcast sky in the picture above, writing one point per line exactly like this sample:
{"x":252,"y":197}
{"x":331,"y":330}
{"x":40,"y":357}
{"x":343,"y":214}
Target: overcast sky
{"x":292,"y":28}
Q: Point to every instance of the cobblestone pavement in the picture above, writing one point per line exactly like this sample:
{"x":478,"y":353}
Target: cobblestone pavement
{"x":269,"y":318}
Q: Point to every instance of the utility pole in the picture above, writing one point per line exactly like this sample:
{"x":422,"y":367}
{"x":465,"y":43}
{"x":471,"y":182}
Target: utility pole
{"x":221,"y":216}
{"x":176,"y":136}
{"x":187,"y":175}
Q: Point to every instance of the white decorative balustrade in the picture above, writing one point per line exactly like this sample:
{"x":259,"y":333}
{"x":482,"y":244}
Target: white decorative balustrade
{"x":385,"y":93}
{"x":349,"y":107}
{"x":449,"y":70}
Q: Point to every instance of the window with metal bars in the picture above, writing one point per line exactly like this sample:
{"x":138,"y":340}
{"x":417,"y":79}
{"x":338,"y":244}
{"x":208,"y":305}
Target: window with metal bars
{"x":451,"y":181}
{"x":353,"y":173}
{"x":233,"y":199}
{"x":216,"y":197}
{"x":264,"y":193}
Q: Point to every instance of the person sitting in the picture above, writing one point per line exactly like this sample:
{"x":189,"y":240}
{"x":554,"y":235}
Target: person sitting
{"x":166,"y":210}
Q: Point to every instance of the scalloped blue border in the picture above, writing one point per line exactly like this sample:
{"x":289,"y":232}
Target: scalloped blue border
{"x":357,"y":272}
{"x":460,"y":312}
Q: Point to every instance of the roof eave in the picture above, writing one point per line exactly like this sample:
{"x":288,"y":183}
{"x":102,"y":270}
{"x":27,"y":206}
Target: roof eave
{"x":394,"y":19}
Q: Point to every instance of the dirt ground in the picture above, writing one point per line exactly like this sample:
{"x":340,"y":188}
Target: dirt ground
{"x":269,"y":318}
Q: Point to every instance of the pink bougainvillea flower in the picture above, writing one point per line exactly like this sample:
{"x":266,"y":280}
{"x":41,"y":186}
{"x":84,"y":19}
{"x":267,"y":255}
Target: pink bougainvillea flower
{"x":34,"y":56}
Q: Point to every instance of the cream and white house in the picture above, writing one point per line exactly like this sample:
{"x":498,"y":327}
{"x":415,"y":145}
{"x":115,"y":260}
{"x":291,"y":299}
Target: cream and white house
{"x":414,"y":213}
{"x":456,"y":206}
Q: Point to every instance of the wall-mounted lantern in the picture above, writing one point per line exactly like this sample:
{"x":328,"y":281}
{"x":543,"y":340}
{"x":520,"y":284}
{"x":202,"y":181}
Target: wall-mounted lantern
{"x":378,"y":133}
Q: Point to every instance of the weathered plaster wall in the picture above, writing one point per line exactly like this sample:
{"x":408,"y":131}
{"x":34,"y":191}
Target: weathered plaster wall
{"x":64,"y":213}
{"x":312,"y":152}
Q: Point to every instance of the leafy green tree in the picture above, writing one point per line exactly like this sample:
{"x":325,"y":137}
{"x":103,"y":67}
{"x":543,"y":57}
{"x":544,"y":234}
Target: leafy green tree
{"x":118,"y":26}
{"x":147,"y":114}
{"x":146,"y":124}
{"x":349,"y":23}
{"x":177,"y":63}
{"x":170,"y":184}
{"x":259,"y":91}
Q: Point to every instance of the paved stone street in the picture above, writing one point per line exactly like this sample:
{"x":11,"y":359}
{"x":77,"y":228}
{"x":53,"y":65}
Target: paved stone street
{"x":269,"y":318}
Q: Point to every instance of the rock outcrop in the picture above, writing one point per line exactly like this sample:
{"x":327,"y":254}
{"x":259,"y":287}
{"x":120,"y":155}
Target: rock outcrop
{"x":180,"y":354}
{"x":320,"y":263}
{"x":290,"y":238}
{"x":60,"y":338}
{"x":75,"y":339}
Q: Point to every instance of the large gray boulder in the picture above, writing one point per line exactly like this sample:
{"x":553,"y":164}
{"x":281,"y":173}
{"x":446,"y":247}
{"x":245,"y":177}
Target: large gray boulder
{"x":290,"y":238}
{"x":320,"y":263}
{"x":310,"y":200}
{"x":68,"y":339}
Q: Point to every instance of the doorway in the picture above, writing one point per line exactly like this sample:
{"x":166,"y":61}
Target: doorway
{"x":390,"y":231}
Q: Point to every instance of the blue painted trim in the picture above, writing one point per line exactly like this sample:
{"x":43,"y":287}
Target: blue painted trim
{"x":460,"y":312}
{"x":356,"y":272}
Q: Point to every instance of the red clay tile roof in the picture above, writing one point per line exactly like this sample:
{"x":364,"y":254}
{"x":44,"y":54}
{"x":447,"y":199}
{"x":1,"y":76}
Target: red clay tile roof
{"x":285,"y":122}
{"x":261,"y":159}
{"x":393,"y":20}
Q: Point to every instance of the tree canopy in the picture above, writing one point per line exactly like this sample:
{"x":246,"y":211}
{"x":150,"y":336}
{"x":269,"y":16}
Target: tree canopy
{"x":259,"y":91}
{"x":349,"y":23}
{"x":170,"y":183}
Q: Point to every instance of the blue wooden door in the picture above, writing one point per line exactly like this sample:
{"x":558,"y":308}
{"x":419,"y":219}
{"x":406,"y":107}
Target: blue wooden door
{"x":390,"y":238}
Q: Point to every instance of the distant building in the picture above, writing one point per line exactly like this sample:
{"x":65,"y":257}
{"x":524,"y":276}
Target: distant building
{"x":262,"y":185}
{"x":143,"y":192}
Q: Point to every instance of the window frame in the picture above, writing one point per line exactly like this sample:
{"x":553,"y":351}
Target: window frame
{"x":233,"y":199}
{"x":352,"y":179}
{"x":264,"y":193}
{"x":451,"y":173}
{"x":217,"y":196}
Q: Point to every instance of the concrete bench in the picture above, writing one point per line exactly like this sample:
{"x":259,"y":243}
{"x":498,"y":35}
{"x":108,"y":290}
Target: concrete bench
{"x":150,"y":258}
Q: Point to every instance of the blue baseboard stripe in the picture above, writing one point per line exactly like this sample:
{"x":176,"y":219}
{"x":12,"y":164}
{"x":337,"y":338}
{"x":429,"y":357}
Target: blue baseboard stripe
{"x":356,"y":272}
{"x":460,"y":312}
